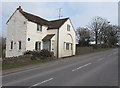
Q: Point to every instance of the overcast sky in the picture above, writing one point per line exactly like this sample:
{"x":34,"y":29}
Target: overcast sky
{"x":80,"y":13}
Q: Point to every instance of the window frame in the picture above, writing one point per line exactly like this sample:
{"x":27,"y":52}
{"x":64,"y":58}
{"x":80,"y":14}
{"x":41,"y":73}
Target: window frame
{"x":11,"y":45}
{"x":19,"y":45}
{"x":39,"y":27}
{"x":68,"y":27}
{"x":37,"y":45}
{"x":67,"y":46}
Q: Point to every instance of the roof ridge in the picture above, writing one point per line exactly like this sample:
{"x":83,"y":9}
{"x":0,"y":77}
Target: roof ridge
{"x":59,"y":19}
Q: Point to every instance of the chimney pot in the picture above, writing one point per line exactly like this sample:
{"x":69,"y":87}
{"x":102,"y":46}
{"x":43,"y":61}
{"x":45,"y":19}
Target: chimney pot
{"x":19,"y":8}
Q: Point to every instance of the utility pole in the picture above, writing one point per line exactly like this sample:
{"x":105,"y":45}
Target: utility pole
{"x":59,"y":9}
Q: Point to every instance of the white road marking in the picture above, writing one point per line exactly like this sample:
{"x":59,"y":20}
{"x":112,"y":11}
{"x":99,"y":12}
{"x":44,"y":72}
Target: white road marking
{"x":43,"y":82}
{"x":100,"y":59}
{"x":110,"y":55}
{"x":81,"y":66}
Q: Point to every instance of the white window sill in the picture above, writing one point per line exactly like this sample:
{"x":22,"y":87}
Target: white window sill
{"x":68,"y":50}
{"x":39,"y":31}
{"x":19,"y":50}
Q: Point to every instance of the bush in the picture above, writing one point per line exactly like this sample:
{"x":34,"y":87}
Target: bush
{"x":95,"y":46}
{"x":83,"y":42}
{"x":43,"y":54}
{"x":28,"y":52}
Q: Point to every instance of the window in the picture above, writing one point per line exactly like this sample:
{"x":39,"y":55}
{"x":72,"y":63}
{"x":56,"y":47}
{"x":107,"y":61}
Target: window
{"x":38,"y":46}
{"x":71,"y":46}
{"x":39,"y":27}
{"x":67,"y":46}
{"x":19,"y":45}
{"x":11,"y":45}
{"x":68,"y":27}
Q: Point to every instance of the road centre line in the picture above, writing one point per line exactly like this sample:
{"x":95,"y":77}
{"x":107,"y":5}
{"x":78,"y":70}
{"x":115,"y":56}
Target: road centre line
{"x":42,"y":82}
{"x":100,"y":59}
{"x":81,"y":67}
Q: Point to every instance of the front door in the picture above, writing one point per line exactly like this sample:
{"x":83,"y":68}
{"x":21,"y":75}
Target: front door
{"x":47,"y":45}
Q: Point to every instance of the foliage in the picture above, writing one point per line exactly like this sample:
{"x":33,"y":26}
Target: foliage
{"x":28,"y":52}
{"x":97,"y":25}
{"x":104,"y":32}
{"x":83,"y":36}
{"x":43,"y":54}
{"x":2,"y":46}
{"x":111,"y":35}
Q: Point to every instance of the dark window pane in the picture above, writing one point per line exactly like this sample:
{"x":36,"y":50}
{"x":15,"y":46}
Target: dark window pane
{"x":11,"y":44}
{"x":19,"y":45}
{"x":39,"y":46}
{"x":36,"y":46}
{"x":67,"y":46}
{"x":68,"y":27}
{"x":37,"y":27}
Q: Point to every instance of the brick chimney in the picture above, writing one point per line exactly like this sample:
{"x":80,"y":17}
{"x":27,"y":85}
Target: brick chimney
{"x":19,"y":8}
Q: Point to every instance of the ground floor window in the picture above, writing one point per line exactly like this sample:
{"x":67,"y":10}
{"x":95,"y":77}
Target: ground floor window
{"x":37,"y":45}
{"x":68,"y":46}
{"x":19,"y":45}
{"x":11,"y":45}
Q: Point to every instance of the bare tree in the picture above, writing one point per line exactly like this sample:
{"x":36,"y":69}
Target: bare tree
{"x":97,"y":25}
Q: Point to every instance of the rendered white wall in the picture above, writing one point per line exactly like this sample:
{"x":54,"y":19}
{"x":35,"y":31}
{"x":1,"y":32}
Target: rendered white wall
{"x":16,"y":31}
{"x":66,"y":36}
{"x":35,"y":35}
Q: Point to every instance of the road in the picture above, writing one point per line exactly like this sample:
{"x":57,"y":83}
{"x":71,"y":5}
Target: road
{"x":95,"y":69}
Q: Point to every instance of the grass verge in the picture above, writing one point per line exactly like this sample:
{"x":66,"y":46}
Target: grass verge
{"x":17,"y":65}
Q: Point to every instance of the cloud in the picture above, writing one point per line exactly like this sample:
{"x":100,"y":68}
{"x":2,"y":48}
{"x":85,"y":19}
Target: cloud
{"x":86,"y":11}
{"x":80,"y":12}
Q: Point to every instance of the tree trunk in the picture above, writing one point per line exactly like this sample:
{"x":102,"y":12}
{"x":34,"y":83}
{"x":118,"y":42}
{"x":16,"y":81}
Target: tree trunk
{"x":96,"y":37}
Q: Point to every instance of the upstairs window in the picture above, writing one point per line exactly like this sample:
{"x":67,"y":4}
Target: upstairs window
{"x":19,"y":45}
{"x":11,"y":45}
{"x":39,"y":27}
{"x":68,"y":27}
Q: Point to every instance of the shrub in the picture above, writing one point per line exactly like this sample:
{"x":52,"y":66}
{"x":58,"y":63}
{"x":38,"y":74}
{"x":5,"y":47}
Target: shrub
{"x":95,"y":46}
{"x":43,"y":54}
{"x":28,"y":52}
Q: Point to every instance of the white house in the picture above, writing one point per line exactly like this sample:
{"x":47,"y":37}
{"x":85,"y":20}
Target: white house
{"x":29,"y":32}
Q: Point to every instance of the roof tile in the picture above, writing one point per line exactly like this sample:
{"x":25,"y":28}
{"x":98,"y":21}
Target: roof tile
{"x":54,"y":24}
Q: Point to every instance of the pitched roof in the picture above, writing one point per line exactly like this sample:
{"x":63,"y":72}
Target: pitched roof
{"x":34,"y":18}
{"x":48,"y":37}
{"x":54,"y":24}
